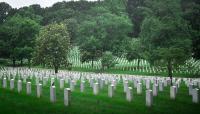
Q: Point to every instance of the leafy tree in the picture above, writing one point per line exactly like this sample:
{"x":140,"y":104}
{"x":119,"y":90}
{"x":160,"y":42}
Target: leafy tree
{"x":191,"y":9}
{"x":72,"y":26}
{"x":107,"y":60}
{"x":57,"y":16}
{"x":90,"y":50}
{"x":5,"y":9}
{"x":29,"y":12}
{"x":134,"y":51}
{"x":111,"y":30}
{"x":19,"y":32}
{"x":165,"y":35}
{"x":4,"y":41}
{"x":136,"y":15}
{"x":37,"y":10}
{"x":117,"y":7}
{"x":52,"y":45}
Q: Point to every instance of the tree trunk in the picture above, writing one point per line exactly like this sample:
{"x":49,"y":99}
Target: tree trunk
{"x":138,"y":65}
{"x":29,"y":63}
{"x":21,"y":62}
{"x":92,"y":63}
{"x":56,"y":69}
{"x":14,"y":62}
{"x":169,"y":68}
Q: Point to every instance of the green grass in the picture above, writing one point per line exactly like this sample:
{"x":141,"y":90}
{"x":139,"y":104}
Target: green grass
{"x":12,"y":102}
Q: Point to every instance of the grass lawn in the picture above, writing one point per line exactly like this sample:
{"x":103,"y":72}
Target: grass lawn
{"x":12,"y":102}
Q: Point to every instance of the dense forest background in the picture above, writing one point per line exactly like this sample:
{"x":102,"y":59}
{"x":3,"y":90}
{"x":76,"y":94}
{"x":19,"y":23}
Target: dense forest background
{"x":164,"y":30}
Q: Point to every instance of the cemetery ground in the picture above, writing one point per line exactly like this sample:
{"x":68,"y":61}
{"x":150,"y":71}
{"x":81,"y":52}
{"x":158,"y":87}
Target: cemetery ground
{"x":12,"y":102}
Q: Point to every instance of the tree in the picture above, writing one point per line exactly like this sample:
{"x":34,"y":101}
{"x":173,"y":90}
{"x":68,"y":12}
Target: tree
{"x":165,"y":35}
{"x":134,"y":51}
{"x":136,"y":15}
{"x":107,"y":60}
{"x":5,"y":8}
{"x":19,"y":32}
{"x":90,"y":50}
{"x":111,"y":30}
{"x":31,"y":13}
{"x":191,"y":9}
{"x":57,"y":16}
{"x":52,"y":45}
{"x":72,"y":26}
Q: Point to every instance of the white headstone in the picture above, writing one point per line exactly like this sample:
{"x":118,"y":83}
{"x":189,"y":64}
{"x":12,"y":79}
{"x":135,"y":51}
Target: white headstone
{"x":39,"y":90}
{"x":4,"y":83}
{"x":161,"y":85}
{"x":110,"y":90}
{"x":96,"y":88}
{"x":28,"y":88}
{"x":82,"y":86}
{"x":139,"y":88}
{"x":53,"y":94}
{"x":12,"y":84}
{"x":102,"y":83}
{"x":129,"y":94}
{"x":67,"y":96}
{"x":72,"y":84}
{"x":155,"y":89}
{"x":125,"y":86}
{"x":19,"y":86}
{"x":61,"y":83}
{"x":148,"y":85}
{"x":149,"y":98}
{"x":173,"y":92}
{"x":190,"y":88}
{"x":195,"y":95}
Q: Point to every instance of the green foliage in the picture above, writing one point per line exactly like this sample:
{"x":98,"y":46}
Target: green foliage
{"x":134,"y":50}
{"x":111,"y":30}
{"x":136,"y":15}
{"x":165,"y":35}
{"x":19,"y":36}
{"x":58,"y":15}
{"x":28,"y":12}
{"x":72,"y":27}
{"x":107,"y":60}
{"x":191,"y":9}
{"x":90,"y":50}
{"x":5,"y":8}
{"x":161,"y":30}
{"x":52,"y":45}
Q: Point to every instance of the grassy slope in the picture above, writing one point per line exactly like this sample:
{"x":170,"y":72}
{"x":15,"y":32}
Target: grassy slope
{"x":87,"y":103}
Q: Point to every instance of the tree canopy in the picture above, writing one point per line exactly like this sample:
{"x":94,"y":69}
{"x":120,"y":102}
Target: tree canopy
{"x":52,"y":45}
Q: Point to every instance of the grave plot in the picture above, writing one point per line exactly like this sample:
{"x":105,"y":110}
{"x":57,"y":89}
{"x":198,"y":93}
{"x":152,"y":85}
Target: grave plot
{"x":76,"y":92}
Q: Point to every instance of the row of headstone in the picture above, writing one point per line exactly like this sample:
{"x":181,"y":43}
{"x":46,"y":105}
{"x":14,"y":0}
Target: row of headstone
{"x":98,"y":82}
{"x":67,"y":91}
